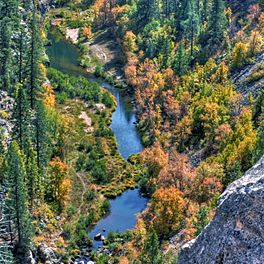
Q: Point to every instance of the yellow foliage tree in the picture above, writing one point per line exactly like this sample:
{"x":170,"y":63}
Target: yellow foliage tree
{"x":59,"y":183}
{"x":130,"y":41}
{"x":168,"y":210}
{"x":240,"y":55}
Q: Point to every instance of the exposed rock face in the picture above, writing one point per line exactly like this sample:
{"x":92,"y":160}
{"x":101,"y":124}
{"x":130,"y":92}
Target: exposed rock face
{"x":236,"y":234}
{"x":6,"y":109}
{"x":245,"y":83}
{"x":44,"y":5}
{"x":46,"y":254}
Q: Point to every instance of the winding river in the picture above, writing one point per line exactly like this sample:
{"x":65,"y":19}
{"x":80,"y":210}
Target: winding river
{"x":64,"y":56}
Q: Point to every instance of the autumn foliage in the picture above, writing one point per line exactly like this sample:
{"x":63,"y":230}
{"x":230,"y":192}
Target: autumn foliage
{"x":60,"y":184}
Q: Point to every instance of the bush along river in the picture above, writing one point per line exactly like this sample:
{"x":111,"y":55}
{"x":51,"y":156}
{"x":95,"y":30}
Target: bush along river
{"x":64,"y":56}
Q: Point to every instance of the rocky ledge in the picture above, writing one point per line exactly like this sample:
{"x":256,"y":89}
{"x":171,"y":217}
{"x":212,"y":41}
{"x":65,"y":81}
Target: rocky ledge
{"x":236,"y":234}
{"x":251,"y":78}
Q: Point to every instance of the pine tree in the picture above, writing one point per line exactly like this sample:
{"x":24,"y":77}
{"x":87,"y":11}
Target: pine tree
{"x":17,"y":197}
{"x":2,"y":149}
{"x":35,"y":58}
{"x":166,"y":51}
{"x":34,"y":184}
{"x":218,"y":22}
{"x":22,"y":41}
{"x":8,"y":21}
{"x":41,"y":139}
{"x":21,"y":115}
{"x":204,"y":13}
{"x":201,"y":220}
{"x":181,"y":63}
{"x":152,"y":253}
{"x":6,"y":255}
{"x":169,"y":7}
{"x":233,"y":173}
{"x":148,"y":10}
{"x":190,"y":25}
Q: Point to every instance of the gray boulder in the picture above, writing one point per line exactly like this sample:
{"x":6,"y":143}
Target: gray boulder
{"x":46,"y":254}
{"x":236,"y":234}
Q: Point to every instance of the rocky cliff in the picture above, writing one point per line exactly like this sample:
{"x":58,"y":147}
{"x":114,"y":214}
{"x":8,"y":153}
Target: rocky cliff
{"x":236,"y":234}
{"x":251,"y":78}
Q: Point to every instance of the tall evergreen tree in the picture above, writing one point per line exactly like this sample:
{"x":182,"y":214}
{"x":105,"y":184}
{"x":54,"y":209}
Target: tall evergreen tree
{"x":190,"y":25}
{"x":35,"y":57}
{"x":181,"y":60}
{"x":21,"y":115}
{"x":152,"y":253}
{"x":17,"y":197}
{"x":204,"y":12}
{"x":34,"y":185}
{"x":41,"y":138}
{"x":8,"y":20}
{"x":148,"y":10}
{"x":6,"y":255}
{"x":166,"y":49}
{"x":218,"y":22}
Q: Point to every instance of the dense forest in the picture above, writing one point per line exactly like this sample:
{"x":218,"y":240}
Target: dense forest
{"x":193,"y":70}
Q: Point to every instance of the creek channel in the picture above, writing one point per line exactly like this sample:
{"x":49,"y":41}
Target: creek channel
{"x":64,"y":56}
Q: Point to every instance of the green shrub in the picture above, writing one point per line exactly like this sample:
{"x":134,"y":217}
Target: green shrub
{"x":71,"y":210}
{"x":89,"y":195}
{"x":106,"y":206}
{"x":61,"y":97}
{"x":98,"y":71}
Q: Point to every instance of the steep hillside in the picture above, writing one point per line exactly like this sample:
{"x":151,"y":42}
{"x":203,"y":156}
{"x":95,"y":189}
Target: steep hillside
{"x":250,"y":80}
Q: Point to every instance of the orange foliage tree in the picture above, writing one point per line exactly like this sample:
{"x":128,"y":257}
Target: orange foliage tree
{"x":155,"y":158}
{"x":178,"y":173}
{"x":167,"y":208}
{"x":59,"y":183}
{"x":208,"y":181}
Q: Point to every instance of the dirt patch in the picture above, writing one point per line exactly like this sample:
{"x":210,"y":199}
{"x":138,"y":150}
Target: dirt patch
{"x":88,"y":122}
{"x":107,"y":51}
{"x":56,"y":22}
{"x":72,"y":34}
{"x":100,"y":106}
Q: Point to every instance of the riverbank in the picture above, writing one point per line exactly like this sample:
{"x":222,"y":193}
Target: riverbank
{"x":90,"y":139}
{"x":99,"y":52}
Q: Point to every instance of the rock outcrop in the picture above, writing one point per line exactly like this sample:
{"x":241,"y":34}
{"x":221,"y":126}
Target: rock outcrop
{"x":44,"y":5}
{"x":236,"y":234}
{"x":251,"y":78}
{"x":6,"y":109}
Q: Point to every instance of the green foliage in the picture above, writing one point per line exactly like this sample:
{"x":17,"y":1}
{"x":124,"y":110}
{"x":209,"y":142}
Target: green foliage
{"x":152,"y":253}
{"x":106,"y":207}
{"x":99,"y":71}
{"x":22,"y":116}
{"x":76,"y":87}
{"x":233,"y":173}
{"x":180,"y":64}
{"x":218,"y":22}
{"x":201,"y":220}
{"x":239,"y":56}
{"x":79,"y":234}
{"x":16,"y":203}
{"x":259,"y":121}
